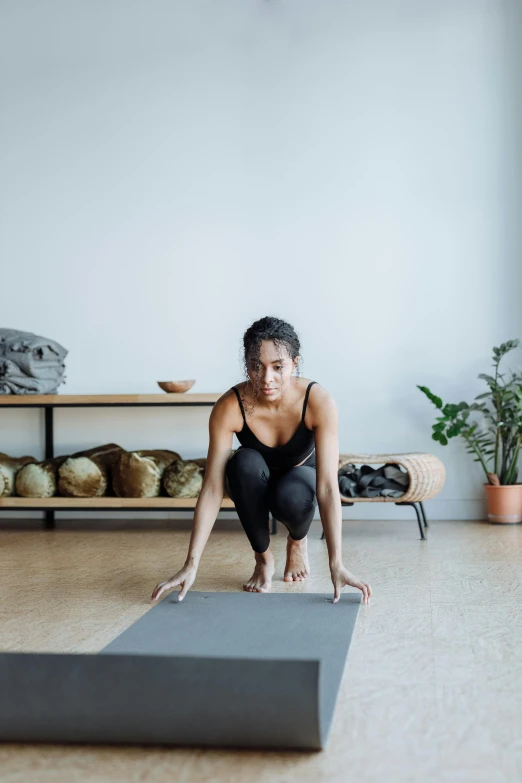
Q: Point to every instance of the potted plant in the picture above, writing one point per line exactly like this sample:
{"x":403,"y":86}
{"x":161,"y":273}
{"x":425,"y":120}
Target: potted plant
{"x":497,"y":445}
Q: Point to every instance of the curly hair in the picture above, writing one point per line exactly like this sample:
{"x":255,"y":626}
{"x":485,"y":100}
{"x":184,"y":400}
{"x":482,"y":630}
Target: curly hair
{"x":281,"y":333}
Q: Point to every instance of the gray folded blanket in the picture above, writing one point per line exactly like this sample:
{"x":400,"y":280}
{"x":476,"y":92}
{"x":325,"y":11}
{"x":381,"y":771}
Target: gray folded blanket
{"x":30,"y":364}
{"x":368,"y":482}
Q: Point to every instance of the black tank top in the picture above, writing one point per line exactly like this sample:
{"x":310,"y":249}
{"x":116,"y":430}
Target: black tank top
{"x":289,"y":454}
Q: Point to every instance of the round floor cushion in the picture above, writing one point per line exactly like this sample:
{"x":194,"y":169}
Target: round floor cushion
{"x":9,"y":468}
{"x":87,"y":474}
{"x":138,"y":474}
{"x":184,"y":478}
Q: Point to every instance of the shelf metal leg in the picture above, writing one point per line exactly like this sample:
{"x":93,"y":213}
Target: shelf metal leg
{"x":49,"y":519}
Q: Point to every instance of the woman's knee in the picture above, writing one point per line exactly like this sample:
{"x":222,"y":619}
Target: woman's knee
{"x":245,"y":461}
{"x":246,"y":470}
{"x":293,"y":500}
{"x":294,"y":510}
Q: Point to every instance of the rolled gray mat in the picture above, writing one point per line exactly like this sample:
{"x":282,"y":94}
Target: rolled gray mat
{"x":216,"y":669}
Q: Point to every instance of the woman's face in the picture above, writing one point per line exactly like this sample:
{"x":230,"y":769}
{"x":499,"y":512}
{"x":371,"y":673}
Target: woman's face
{"x":275,"y":370}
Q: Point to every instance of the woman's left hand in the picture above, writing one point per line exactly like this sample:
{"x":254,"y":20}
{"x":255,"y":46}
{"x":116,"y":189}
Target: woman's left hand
{"x":341,"y":577}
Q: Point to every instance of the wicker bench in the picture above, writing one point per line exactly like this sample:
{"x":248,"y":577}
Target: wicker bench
{"x":426,"y":472}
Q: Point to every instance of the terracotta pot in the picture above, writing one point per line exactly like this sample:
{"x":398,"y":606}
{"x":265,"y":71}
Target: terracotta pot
{"x":504,"y":503}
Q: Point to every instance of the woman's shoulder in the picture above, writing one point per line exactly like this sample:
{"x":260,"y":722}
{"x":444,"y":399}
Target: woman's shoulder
{"x":318,"y":391}
{"x":321,"y":403}
{"x":226,"y":413}
{"x":226,"y":400}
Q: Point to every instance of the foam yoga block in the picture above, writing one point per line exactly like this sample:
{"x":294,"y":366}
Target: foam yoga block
{"x":216,"y":669}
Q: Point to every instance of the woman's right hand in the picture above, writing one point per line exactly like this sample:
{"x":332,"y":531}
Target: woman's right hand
{"x":185,"y":578}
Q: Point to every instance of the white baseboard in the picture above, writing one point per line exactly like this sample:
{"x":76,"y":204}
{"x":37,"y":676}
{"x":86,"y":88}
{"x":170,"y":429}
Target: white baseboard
{"x":435,"y":509}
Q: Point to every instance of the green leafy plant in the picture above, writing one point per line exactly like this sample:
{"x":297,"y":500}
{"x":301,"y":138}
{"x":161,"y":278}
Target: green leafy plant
{"x":497,"y":445}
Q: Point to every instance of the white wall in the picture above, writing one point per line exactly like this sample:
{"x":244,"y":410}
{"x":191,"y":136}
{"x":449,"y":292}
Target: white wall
{"x":173,"y":171}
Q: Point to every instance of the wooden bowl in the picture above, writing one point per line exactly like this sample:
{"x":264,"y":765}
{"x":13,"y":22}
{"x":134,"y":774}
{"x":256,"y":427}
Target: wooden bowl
{"x":175,"y":386}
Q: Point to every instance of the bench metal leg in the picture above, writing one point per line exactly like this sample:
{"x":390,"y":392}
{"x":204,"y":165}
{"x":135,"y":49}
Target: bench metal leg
{"x":344,"y":503}
{"x":407,"y":503}
{"x":274,"y":525}
{"x":424,"y":519}
{"x":419,"y":520}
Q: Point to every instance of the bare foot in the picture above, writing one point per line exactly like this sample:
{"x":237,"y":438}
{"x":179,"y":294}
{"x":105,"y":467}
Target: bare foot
{"x":297,"y":567}
{"x":261,"y":579}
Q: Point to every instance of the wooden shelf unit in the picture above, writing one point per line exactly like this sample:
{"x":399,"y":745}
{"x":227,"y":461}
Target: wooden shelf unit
{"x":105,"y":503}
{"x":104,"y":400}
{"x":48,"y":402}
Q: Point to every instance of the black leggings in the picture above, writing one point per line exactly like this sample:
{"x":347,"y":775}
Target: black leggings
{"x":256,"y":490}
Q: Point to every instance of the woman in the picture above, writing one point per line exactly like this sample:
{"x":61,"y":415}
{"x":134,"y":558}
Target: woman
{"x":294,"y":422}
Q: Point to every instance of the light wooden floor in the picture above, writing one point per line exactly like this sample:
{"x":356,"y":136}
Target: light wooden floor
{"x":432,"y":686}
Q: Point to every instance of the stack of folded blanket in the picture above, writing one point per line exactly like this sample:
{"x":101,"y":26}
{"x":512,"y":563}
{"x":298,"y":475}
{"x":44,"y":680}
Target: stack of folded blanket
{"x":30,"y":364}
{"x":367,"y":482}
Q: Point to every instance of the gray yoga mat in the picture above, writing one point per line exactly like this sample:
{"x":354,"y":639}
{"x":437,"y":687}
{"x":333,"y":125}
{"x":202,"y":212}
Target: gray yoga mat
{"x":216,"y":669}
